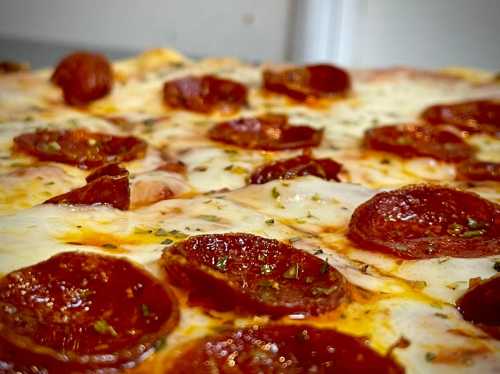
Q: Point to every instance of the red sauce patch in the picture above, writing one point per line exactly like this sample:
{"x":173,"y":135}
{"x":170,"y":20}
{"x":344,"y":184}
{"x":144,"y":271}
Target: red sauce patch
{"x":479,"y":171}
{"x":312,"y":81}
{"x":204,"y":94}
{"x":427,"y":221}
{"x":472,"y":116}
{"x":253,"y":274}
{"x":418,"y":141}
{"x":281,"y":349}
{"x":107,"y":185}
{"x":83,"y":77}
{"x":324,"y":168}
{"x":80,"y":147}
{"x":83,"y":311}
{"x":270,"y":133}
{"x":481,"y":306}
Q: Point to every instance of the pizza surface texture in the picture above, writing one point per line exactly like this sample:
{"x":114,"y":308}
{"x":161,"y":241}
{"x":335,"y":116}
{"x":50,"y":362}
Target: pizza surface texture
{"x":163,"y":215}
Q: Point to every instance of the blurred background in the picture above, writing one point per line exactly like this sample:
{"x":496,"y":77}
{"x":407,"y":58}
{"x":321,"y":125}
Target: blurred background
{"x":358,"y":33}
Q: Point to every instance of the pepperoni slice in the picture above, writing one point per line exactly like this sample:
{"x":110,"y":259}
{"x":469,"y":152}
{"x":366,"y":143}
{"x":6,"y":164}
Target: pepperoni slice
{"x":82,"y":311}
{"x":281,"y":349}
{"x":270,"y":133}
{"x":481,"y":306}
{"x":312,"y":81}
{"x":80,"y":147}
{"x":479,"y":171}
{"x":204,"y":94}
{"x":83,"y":77}
{"x":418,"y":141}
{"x":427,"y":221}
{"x":107,"y":185}
{"x":472,"y":116}
{"x":324,"y":168}
{"x":253,"y":274}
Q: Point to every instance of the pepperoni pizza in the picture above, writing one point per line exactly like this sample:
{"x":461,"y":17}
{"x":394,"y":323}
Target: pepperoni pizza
{"x":162,"y":215}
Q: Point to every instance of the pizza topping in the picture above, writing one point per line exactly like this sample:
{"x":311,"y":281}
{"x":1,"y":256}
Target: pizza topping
{"x":324,"y":168}
{"x":312,"y":81}
{"x":84,"y":311}
{"x":427,"y":221}
{"x":279,"y":349}
{"x":472,"y":116}
{"x":204,"y":94}
{"x":418,"y":141}
{"x":481,"y":306}
{"x":479,"y":171}
{"x":80,"y":147}
{"x":252,"y":274}
{"x":270,"y":133}
{"x":83,"y":77}
{"x":107,"y":185}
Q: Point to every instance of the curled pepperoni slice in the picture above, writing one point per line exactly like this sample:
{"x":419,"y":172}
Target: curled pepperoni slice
{"x":418,"y":141}
{"x":281,"y":349}
{"x":83,"y":77}
{"x":253,"y":274}
{"x":324,"y":168}
{"x":310,"y":81}
{"x":426,"y":221}
{"x":107,"y":185}
{"x":473,"y":116}
{"x":479,"y":171}
{"x":83,"y":311}
{"x":204,"y":94}
{"x":270,"y":133}
{"x":481,"y":306}
{"x":80,"y":147}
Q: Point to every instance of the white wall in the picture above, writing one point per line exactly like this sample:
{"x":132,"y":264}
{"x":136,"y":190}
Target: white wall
{"x":254,"y":29}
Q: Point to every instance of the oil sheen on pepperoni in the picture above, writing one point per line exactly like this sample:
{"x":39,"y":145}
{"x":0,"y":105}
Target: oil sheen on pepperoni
{"x":478,"y":171}
{"x":311,"y":81}
{"x":324,"y":168}
{"x":472,"y":116}
{"x":204,"y":94}
{"x":418,"y":141}
{"x":83,"y":311}
{"x":281,"y":349}
{"x":83,"y":77}
{"x":481,"y":306}
{"x":252,"y":274}
{"x":270,"y":133}
{"x":107,"y":185}
{"x":427,"y":221}
{"x":80,"y":147}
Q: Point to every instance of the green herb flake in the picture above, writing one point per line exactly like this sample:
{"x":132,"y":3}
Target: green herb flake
{"x":275,"y":193}
{"x":496,"y":266}
{"x":270,"y":221}
{"x":316,"y":197}
{"x":268,"y":283}
{"x":142,"y":230}
{"x":266,"y":269}
{"x":160,"y":344}
{"x":472,"y":233}
{"x":209,"y":217}
{"x":221,"y":263}
{"x":177,"y":234}
{"x":323,"y":291}
{"x":161,"y":232}
{"x":109,"y":246}
{"x":324,"y":267}
{"x":102,"y":327}
{"x":474,"y":224}
{"x":318,"y":252}
{"x":292,"y":272}
{"x":167,"y":241}
{"x":53,"y":146}
{"x":294,"y":239}
{"x":455,"y":229}
{"x":145,"y":310}
{"x":429,"y":356}
{"x":49,"y":183}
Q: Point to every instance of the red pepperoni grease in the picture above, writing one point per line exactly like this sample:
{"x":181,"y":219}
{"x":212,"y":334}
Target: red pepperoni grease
{"x":81,"y":311}
{"x":252,"y":274}
{"x":107,"y":185}
{"x":418,"y":141}
{"x":270,"y":133}
{"x":204,"y":94}
{"x":83,"y":77}
{"x":426,"y":221}
{"x":281,"y":349}
{"x":481,"y":306}
{"x":311,"y":81}
{"x":298,"y":166}
{"x":80,"y":147}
